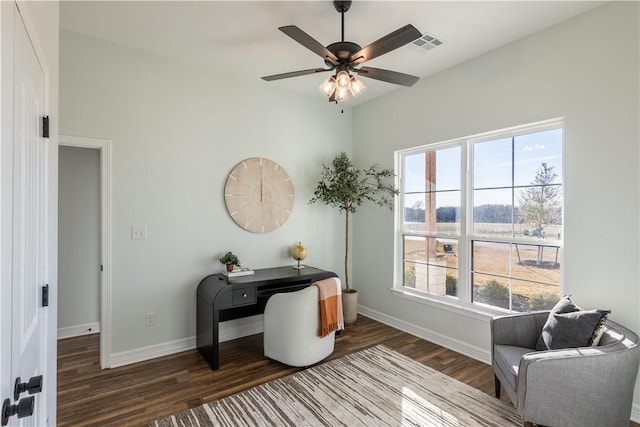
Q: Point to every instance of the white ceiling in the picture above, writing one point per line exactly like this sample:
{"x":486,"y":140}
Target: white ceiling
{"x":242,"y":37}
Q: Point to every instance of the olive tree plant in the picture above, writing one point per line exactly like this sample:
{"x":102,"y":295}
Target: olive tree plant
{"x":345,"y":187}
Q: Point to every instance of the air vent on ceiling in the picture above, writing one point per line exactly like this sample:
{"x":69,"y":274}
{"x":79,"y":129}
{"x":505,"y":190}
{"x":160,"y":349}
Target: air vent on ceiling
{"x":427,"y":42}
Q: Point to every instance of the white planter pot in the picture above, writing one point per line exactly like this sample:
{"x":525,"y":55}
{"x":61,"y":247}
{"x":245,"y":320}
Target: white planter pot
{"x":350,"y":306}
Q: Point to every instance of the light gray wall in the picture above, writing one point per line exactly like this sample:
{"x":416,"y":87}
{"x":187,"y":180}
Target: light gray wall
{"x":78,"y":239}
{"x":585,"y":70}
{"x":177,"y":131}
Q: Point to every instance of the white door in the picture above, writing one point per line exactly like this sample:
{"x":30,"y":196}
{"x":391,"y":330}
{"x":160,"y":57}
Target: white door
{"x":28,"y":224}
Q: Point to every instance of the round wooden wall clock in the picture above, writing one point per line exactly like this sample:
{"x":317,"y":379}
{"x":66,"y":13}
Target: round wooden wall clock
{"x":259,"y":195}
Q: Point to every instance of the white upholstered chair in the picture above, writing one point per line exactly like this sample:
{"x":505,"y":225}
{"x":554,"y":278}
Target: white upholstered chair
{"x":291,"y":323}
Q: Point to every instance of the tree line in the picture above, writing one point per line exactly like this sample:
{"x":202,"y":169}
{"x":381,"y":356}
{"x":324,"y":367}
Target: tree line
{"x":499,"y":214}
{"x":540,"y":205}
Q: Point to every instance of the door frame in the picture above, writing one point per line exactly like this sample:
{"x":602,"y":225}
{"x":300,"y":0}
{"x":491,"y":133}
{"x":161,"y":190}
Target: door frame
{"x":104,"y":146}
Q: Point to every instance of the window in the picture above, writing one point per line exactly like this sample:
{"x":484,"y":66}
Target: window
{"x":480,"y":219}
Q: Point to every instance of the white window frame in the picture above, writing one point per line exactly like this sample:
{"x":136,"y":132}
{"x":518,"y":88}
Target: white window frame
{"x":463,"y":303}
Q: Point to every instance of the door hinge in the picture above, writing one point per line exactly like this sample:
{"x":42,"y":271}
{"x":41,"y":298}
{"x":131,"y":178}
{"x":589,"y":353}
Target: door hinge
{"x":45,"y":295}
{"x":101,"y":267}
{"x":45,"y":127}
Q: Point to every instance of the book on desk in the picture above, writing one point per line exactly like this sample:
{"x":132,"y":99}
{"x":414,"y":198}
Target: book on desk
{"x":238,"y":273}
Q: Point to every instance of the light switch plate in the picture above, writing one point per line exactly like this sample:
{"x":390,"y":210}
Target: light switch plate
{"x":138,"y":232}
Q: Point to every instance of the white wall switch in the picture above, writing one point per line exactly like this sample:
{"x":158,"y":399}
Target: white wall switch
{"x":138,"y":232}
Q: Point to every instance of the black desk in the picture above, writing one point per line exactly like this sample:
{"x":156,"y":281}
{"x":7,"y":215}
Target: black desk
{"x":221,"y":298}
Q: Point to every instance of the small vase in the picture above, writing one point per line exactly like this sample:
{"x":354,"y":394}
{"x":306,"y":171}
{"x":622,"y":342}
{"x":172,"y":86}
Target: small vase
{"x":230,"y":268}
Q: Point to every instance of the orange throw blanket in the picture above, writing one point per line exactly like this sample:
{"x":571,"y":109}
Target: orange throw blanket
{"x":330,"y":299}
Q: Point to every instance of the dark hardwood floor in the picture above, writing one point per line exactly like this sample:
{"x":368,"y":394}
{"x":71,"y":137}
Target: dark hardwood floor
{"x":137,"y":394}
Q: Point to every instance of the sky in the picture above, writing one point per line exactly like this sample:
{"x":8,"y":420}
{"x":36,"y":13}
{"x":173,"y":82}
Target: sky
{"x":497,"y":163}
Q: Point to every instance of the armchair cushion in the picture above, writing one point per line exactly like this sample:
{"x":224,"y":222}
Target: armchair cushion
{"x":508,"y":357}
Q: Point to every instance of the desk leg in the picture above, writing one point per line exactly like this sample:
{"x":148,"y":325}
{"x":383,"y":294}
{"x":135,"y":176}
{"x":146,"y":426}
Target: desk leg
{"x":214,"y":362}
{"x":207,"y":333}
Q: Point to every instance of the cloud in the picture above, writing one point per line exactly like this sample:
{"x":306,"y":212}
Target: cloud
{"x":535,"y":147}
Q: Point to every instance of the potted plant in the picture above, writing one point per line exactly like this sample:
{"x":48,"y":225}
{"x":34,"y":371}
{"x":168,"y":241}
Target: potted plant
{"x":230,"y":260}
{"x":346,"y":187}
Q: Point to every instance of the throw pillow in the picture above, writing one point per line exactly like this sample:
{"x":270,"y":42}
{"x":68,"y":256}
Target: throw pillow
{"x":565,"y":305}
{"x":597,"y":334}
{"x":574,"y":329}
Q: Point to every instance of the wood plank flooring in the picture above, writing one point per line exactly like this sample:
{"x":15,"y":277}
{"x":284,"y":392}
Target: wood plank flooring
{"x":137,"y":394}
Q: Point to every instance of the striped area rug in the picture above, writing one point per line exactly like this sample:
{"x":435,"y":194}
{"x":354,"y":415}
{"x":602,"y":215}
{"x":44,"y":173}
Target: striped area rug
{"x":373,"y":387}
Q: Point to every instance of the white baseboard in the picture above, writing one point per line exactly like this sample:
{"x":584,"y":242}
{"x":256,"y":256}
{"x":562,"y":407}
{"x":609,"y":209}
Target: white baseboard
{"x":76,"y":331}
{"x":254,"y":325}
{"x":461,"y":347}
{"x":151,"y":352}
{"x":228,"y":331}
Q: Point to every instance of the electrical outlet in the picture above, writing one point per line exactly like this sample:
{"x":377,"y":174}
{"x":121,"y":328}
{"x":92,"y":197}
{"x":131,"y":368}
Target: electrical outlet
{"x":150,"y":319}
{"x":138,"y":232}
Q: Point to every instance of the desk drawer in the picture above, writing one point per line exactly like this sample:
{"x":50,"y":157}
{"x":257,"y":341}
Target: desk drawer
{"x":243,"y":296}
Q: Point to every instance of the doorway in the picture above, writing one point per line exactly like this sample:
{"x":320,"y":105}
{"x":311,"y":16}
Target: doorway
{"x":84,"y":248}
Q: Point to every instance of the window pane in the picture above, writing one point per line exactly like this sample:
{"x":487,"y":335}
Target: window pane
{"x":451,"y":282}
{"x":448,"y":212}
{"x":414,"y":212}
{"x":430,"y":264}
{"x":540,"y":211}
{"x":492,"y":164}
{"x":434,"y":275}
{"x":447,"y":250}
{"x":431,"y":183}
{"x":415,"y":248}
{"x":431,"y":250}
{"x":532,"y":150}
{"x":489,"y":257}
{"x":490,"y":290}
{"x":536,"y":262}
{"x":531,"y":296}
{"x":434,"y":212}
{"x":414,"y":173}
{"x":492,"y":212}
{"x":409,"y":274}
{"x":447,"y":169}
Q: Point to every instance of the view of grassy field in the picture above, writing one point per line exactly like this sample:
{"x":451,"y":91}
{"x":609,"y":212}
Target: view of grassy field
{"x":532,"y":269}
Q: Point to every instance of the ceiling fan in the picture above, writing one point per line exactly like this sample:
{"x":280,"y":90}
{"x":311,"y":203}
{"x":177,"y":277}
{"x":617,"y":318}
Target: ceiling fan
{"x":344,"y":56}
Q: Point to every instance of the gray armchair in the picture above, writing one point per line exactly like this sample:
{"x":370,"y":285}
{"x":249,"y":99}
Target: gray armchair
{"x":586,"y":386}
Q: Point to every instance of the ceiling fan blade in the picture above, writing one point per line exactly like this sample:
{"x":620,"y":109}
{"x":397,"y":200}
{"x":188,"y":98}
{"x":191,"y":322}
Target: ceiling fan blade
{"x":309,"y":42}
{"x":391,"y":41}
{"x":295,"y":74}
{"x":387,"y":76}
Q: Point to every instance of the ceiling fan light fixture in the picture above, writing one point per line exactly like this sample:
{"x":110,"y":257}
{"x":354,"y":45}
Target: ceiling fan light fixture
{"x":343,"y":80}
{"x":342,"y":94}
{"x":328,"y":86}
{"x":356,"y":87}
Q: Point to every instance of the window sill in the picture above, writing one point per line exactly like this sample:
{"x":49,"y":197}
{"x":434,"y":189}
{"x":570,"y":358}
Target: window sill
{"x":452,"y":306}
